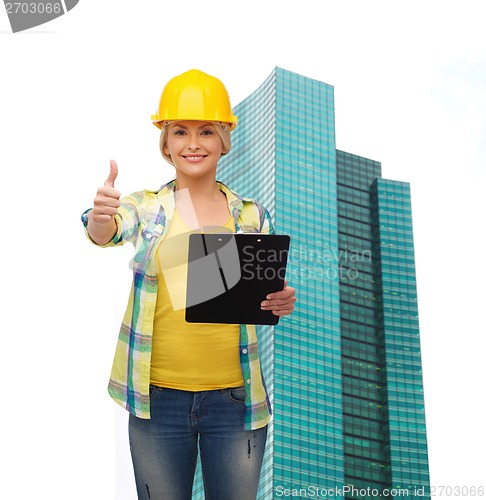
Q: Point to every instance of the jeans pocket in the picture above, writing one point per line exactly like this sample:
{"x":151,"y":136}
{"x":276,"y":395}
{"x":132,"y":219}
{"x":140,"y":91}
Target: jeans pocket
{"x":237,"y":394}
{"x":153,"y":388}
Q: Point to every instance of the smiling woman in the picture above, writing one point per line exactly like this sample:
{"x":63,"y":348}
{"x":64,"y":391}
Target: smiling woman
{"x":220,"y":384}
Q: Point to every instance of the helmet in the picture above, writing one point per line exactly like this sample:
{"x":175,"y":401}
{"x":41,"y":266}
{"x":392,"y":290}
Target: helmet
{"x":194,"y":95}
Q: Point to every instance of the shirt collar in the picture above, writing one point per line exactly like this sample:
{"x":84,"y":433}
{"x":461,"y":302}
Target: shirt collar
{"x":235,"y":201}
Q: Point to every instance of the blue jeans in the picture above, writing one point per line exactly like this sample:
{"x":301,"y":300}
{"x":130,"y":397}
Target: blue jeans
{"x":164,"y":448}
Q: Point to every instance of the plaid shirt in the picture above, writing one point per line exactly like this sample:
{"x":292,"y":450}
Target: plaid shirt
{"x":143,"y":219}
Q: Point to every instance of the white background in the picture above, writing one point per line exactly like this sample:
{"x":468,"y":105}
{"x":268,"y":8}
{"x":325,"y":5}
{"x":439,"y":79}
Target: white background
{"x":410,"y":91}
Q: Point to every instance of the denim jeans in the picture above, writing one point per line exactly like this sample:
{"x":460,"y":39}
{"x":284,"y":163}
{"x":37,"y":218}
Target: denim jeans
{"x":164,"y":448}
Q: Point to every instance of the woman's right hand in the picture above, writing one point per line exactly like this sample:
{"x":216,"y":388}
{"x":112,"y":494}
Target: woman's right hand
{"x":101,"y":222}
{"x":107,"y":198}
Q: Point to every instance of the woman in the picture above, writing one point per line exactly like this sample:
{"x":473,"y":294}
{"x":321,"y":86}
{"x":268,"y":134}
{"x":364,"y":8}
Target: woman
{"x":186,"y":384}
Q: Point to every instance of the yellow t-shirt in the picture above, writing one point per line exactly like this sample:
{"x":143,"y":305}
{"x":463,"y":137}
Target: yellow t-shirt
{"x":188,"y":356}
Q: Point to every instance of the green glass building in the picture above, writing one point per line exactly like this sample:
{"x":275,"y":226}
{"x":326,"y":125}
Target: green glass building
{"x":344,"y":370}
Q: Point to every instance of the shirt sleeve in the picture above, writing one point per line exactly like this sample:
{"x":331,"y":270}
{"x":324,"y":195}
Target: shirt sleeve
{"x":267,"y":226}
{"x":127,"y":221}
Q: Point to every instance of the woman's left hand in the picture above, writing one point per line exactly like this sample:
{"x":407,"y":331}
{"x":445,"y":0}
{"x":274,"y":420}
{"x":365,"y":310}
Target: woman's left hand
{"x":280,"y":303}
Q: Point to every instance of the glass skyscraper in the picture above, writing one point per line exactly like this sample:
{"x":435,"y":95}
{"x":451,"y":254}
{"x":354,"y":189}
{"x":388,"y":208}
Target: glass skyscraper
{"x":344,"y":370}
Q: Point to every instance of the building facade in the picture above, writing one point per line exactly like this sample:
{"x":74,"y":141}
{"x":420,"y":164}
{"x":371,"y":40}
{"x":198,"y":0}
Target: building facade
{"x":344,"y":370}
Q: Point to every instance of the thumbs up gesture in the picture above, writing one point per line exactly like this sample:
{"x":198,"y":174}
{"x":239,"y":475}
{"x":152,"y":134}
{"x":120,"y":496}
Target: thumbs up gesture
{"x":101,"y":222}
{"x":107,"y":198}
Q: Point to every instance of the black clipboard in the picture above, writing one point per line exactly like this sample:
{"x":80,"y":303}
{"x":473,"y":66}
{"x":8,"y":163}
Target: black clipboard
{"x":230,"y":274}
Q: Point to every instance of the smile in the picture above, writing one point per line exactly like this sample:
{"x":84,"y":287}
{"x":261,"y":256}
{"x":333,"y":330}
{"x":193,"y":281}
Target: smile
{"x":194,"y":157}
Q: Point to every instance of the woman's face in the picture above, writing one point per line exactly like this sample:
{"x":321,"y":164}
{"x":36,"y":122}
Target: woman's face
{"x":195,"y":147}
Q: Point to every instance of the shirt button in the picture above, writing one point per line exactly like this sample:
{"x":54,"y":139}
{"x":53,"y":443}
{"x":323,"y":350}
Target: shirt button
{"x":248,"y":381}
{"x":244,"y":351}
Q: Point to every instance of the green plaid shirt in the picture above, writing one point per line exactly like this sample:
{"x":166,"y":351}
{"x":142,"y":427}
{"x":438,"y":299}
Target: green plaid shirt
{"x":143,"y":219}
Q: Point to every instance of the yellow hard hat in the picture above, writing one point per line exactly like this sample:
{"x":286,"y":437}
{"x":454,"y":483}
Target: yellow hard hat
{"x":194,"y":95}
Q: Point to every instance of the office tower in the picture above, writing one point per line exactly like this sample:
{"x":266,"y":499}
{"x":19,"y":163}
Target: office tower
{"x":344,"y":370}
